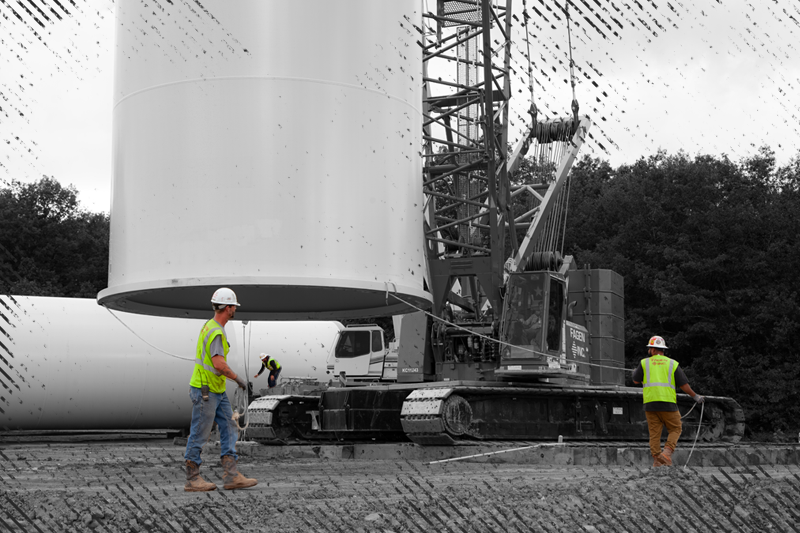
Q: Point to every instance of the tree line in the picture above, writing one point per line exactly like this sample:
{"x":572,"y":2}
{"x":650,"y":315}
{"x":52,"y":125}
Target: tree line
{"x":708,"y":248}
{"x":710,"y":254}
{"x":49,"y":246}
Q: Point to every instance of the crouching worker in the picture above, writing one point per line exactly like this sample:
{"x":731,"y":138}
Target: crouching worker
{"x":660,"y":377}
{"x":210,"y":403}
{"x":274,"y":367}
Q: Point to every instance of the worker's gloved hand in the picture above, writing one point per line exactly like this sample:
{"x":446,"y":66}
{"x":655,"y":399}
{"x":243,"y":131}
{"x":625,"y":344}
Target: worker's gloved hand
{"x":241,"y":382}
{"x":698,"y":398}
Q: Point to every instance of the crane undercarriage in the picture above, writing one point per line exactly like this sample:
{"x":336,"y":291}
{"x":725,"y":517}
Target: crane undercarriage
{"x":448,"y":412}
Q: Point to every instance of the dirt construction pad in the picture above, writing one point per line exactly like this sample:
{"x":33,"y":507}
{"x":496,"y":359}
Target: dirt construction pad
{"x":137,"y":485}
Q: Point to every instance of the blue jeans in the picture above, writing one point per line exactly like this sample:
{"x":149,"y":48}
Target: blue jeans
{"x":272,"y":380}
{"x":204,"y":414}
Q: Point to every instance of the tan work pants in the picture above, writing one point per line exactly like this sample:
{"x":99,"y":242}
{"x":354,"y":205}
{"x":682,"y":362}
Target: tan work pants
{"x":656,"y":420}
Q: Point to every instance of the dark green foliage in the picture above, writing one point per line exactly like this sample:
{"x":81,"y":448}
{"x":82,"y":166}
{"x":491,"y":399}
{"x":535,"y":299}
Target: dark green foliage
{"x":711,"y":261}
{"x":708,"y":247}
{"x":48,"y":245}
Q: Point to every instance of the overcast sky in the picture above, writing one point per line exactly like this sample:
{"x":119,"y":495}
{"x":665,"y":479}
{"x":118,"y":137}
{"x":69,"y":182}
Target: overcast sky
{"x":704,"y":77}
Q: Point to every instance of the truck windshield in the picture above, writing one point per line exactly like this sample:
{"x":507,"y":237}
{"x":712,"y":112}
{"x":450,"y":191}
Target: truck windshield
{"x":524,"y":310}
{"x":353,"y":344}
{"x":554,"y":313}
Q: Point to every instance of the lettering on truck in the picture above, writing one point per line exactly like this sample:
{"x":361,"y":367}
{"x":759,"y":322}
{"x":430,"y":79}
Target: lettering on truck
{"x":579,"y":351}
{"x":410,"y":370}
{"x":577,"y":340}
{"x":577,"y":334}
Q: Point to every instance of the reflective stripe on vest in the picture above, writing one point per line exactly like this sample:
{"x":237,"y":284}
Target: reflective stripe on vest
{"x":204,"y":371}
{"x":205,"y":344}
{"x":659,"y":380}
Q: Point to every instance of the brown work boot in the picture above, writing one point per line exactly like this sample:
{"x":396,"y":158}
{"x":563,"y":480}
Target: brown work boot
{"x":231,"y":478}
{"x":657,"y":461}
{"x":666,"y":456}
{"x":195,"y":483}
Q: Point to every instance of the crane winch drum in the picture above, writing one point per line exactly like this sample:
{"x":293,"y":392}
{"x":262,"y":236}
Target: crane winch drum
{"x":269,"y":147}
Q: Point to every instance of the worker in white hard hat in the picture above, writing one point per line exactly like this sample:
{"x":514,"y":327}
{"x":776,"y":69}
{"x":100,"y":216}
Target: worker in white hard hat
{"x":210,"y":403}
{"x":270,"y":363}
{"x":661,"y":376}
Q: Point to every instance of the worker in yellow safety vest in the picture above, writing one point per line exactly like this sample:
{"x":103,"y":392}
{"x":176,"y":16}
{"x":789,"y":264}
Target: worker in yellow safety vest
{"x":210,"y":403}
{"x":660,"y":377}
{"x":274,"y":367}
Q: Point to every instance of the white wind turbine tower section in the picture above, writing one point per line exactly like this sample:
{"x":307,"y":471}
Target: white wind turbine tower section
{"x":270,"y":149}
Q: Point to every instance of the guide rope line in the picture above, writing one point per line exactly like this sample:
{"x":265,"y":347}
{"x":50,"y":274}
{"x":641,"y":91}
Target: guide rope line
{"x":487,"y":454}
{"x":490,"y":339}
{"x":192,"y":360}
{"x":699,"y":423}
{"x":146,"y":342}
{"x":560,"y":443}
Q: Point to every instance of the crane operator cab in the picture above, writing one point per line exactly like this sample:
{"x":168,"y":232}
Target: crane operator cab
{"x":360,"y":355}
{"x":532,"y":330}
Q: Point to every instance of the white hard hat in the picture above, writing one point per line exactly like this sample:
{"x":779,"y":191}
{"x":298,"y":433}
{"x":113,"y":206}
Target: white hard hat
{"x":264,"y":356}
{"x":224,"y":296}
{"x":656,"y":342}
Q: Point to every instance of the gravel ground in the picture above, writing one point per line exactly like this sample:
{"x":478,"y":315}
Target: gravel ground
{"x":138,"y":486}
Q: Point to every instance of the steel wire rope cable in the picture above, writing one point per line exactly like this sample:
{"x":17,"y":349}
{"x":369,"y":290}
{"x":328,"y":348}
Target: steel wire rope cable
{"x":533,"y":110}
{"x":566,"y":212}
{"x":562,"y":220}
{"x":496,"y":341}
{"x":552,"y":218}
{"x":555,"y":228}
{"x":575,"y":112}
{"x":575,"y":106}
{"x":555,"y":217}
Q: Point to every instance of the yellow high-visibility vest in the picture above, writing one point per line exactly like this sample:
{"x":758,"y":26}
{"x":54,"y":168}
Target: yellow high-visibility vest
{"x":659,"y":379}
{"x":204,"y":371}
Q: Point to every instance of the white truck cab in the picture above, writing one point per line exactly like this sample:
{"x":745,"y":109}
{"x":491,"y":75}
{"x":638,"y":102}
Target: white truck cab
{"x":359,"y":356}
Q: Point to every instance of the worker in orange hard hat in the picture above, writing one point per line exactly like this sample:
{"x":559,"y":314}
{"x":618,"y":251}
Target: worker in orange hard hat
{"x":661,"y":376}
{"x":210,"y":402}
{"x":274,"y":367}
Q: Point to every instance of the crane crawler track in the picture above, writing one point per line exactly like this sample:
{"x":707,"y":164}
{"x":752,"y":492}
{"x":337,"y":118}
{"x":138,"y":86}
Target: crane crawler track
{"x":444,"y":415}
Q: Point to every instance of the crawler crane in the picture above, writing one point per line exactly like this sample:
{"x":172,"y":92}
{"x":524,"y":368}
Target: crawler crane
{"x":519,"y":343}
